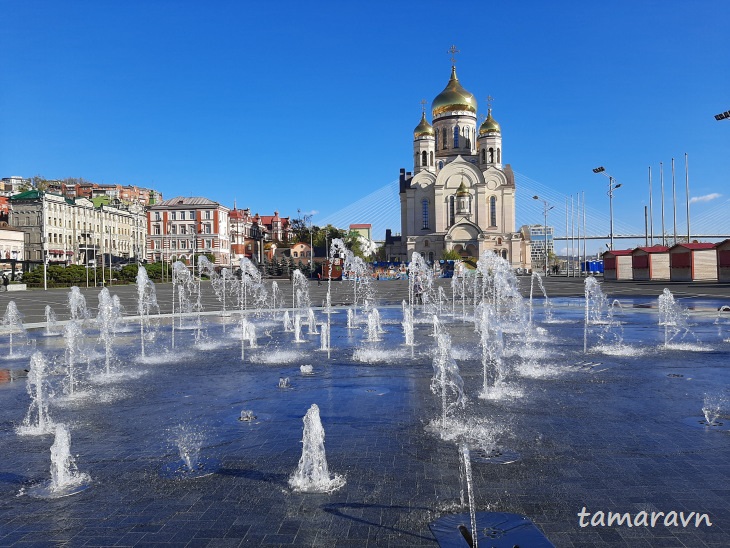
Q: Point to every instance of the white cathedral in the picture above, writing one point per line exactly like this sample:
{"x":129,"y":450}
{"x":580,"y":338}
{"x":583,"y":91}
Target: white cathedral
{"x":460,"y":195}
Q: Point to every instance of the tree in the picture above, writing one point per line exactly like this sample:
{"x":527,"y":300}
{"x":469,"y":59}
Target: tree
{"x":450,"y":255}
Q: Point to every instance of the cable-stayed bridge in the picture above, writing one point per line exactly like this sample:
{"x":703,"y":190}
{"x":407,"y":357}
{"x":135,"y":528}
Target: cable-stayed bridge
{"x":381,"y":209}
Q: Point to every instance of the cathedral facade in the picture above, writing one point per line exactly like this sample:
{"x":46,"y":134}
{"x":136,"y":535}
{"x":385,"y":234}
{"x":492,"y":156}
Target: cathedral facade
{"x":460,"y":195}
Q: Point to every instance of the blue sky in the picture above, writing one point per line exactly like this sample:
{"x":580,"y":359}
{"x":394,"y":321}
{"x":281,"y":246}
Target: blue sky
{"x":295,"y":105}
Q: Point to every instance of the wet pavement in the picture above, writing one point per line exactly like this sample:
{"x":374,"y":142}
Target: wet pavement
{"x":606,"y":430}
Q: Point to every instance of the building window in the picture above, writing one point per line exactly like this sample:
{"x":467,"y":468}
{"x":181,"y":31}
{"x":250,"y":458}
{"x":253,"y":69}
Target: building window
{"x":452,"y":213}
{"x":192,"y":215}
{"x":493,"y":211}
{"x":424,"y":159}
{"x":173,"y":215}
{"x":491,"y":155}
{"x":207,"y":215}
{"x":424,"y":213}
{"x":157,"y":216}
{"x":295,"y":254}
{"x":431,"y":164}
{"x":456,"y":136}
{"x":443,"y":139}
{"x":499,"y":155}
{"x":182,"y":229}
{"x":484,"y":156}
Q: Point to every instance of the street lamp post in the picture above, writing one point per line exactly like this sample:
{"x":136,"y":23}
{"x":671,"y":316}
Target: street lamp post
{"x":612,"y":185}
{"x":545,"y":208}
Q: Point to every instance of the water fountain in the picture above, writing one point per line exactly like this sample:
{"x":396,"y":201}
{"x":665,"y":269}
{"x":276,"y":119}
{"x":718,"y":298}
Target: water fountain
{"x":324,"y":339}
{"x":51,"y":322}
{"x":312,"y":474}
{"x":77,"y":304}
{"x":146,"y":302}
{"x":375,"y":397}
{"x":374,"y":328}
{"x":311,"y":322}
{"x":65,"y":478}
{"x":446,"y":381}
{"x":37,"y":421}
{"x":546,"y":302}
{"x":189,"y":440}
{"x":492,"y":343}
{"x":13,"y":325}
{"x":672,"y":317}
{"x":74,"y":337}
{"x":107,"y":319}
{"x":300,"y":292}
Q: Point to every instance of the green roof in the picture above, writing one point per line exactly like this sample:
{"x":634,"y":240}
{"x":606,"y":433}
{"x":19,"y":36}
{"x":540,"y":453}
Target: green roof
{"x":27,"y":195}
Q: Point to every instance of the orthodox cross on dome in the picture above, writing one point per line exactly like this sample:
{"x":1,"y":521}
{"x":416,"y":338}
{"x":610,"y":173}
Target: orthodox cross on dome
{"x":490,"y":99}
{"x":453,"y":51}
{"x":423,"y":106}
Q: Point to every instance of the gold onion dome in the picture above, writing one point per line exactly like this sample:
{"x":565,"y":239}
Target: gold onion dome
{"x":453,"y":97}
{"x":489,"y":125}
{"x":423,"y":129}
{"x":462,"y":191}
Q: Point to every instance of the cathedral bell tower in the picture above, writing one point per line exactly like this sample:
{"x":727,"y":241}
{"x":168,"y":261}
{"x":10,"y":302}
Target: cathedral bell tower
{"x":490,"y":142}
{"x":424,"y":146}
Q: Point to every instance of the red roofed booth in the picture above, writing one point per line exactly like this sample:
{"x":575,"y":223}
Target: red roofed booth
{"x":693,"y":262}
{"x":650,"y":263}
{"x":617,"y":265}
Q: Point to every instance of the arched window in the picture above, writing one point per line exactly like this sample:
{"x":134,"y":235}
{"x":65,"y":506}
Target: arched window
{"x":424,"y":159}
{"x":443,"y":139}
{"x":441,"y":165}
{"x":456,"y":136}
{"x":491,"y":155}
{"x":430,"y":256}
{"x":424,"y":213}
{"x":452,"y":211}
{"x":426,"y":243}
{"x":484,"y":155}
{"x":499,"y":155}
{"x":431,"y":163}
{"x":504,"y":254}
{"x":499,"y":241}
{"x":436,"y":139}
{"x":493,"y":211}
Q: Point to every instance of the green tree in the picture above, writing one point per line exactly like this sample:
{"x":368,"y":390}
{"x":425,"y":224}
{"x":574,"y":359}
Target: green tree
{"x":450,"y":255}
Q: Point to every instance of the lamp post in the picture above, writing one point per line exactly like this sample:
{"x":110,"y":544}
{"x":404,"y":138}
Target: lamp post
{"x":612,"y":185}
{"x":545,"y":208}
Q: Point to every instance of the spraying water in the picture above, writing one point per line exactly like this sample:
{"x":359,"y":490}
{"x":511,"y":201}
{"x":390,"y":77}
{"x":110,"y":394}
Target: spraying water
{"x":13,"y":325}
{"x":77,"y":304}
{"x":37,"y":421}
{"x":312,"y":475}
{"x":107,"y":318}
{"x":65,"y":477}
{"x":446,"y":381}
{"x":74,"y":336}
{"x":146,"y":301}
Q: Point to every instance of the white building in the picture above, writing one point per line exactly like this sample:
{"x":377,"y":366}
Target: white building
{"x":74,"y":231}
{"x":461,"y":196}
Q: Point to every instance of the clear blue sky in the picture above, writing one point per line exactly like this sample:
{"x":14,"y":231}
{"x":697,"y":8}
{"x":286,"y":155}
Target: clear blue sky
{"x":311,"y":105}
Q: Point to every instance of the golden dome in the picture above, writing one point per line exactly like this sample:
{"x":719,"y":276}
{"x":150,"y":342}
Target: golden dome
{"x":462,"y":190}
{"x":489,"y":125}
{"x":423,"y":129}
{"x":453,"y":97}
